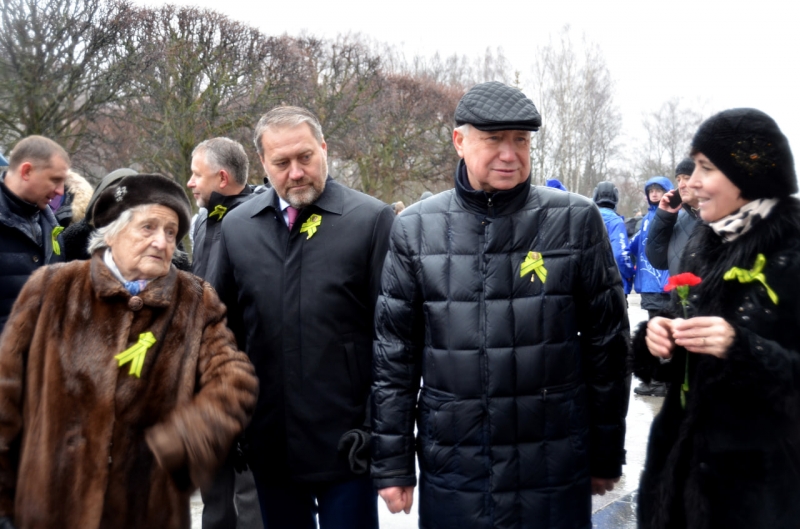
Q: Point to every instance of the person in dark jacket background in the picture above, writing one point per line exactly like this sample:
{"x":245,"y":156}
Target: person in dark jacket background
{"x":671,"y":227}
{"x":724,"y":451}
{"x":30,"y":236}
{"x":299,"y":270}
{"x":669,"y":233}
{"x":504,"y":300}
{"x":219,"y":185}
{"x":606,"y":196}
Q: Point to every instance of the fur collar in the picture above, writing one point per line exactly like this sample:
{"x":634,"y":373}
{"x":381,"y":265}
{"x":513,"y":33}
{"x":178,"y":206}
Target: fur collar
{"x":709,"y":257}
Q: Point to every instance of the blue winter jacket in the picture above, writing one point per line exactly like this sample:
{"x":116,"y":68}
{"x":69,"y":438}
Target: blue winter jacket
{"x":648,"y":279}
{"x":618,"y":235}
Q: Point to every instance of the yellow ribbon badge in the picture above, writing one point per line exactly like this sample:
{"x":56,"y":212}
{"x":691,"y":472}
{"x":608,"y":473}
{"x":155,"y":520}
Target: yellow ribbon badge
{"x":135,"y":354}
{"x":754,"y":274}
{"x":54,"y":236}
{"x":534,"y":262}
{"x":311,"y":225}
{"x":219,"y":211}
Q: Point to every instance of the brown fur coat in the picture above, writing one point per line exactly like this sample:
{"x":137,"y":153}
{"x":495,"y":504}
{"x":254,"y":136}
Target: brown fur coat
{"x":84,"y":444}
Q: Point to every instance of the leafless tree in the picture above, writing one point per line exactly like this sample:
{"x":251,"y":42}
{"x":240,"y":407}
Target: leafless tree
{"x":580,"y":121}
{"x":669,"y":133}
{"x":61,"y":64}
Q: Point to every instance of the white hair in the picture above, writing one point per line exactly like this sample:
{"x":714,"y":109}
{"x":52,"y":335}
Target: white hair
{"x":464,"y":129}
{"x":99,"y":237}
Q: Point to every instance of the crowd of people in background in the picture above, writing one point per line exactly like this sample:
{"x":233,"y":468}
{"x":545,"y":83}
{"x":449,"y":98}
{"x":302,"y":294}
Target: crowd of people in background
{"x":321,"y":349}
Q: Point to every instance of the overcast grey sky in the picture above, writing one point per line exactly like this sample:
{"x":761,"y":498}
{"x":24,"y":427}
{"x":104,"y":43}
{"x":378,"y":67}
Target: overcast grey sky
{"x":714,"y":54}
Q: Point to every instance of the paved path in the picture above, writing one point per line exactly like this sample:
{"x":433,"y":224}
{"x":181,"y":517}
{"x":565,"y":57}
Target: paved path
{"x":615,"y":510}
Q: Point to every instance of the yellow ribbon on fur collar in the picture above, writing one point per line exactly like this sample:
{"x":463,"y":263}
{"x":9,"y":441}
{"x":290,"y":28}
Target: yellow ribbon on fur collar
{"x":311,"y":225}
{"x":534,"y":262}
{"x":136,"y":353}
{"x":754,"y":274}
{"x":54,"y":236}
{"x":219,"y":211}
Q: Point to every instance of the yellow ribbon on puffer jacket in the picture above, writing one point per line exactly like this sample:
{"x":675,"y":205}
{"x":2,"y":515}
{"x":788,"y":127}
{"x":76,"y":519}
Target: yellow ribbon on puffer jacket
{"x":534,"y":262}
{"x":754,"y":274}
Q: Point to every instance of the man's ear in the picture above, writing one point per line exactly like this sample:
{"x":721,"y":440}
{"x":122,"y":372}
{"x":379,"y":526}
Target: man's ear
{"x":224,"y":179}
{"x":25,"y":169}
{"x":458,"y":142}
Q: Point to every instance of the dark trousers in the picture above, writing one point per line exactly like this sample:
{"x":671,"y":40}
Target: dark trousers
{"x":231,"y":501}
{"x":343,"y":505}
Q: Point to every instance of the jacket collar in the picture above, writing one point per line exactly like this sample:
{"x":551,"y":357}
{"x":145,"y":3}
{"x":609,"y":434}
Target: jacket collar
{"x":331,"y":200}
{"x":159,"y":292}
{"x":218,"y":199}
{"x":495,"y":204}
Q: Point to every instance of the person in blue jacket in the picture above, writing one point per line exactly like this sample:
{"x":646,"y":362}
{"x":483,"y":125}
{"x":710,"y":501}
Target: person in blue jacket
{"x":649,"y":281}
{"x":606,"y":196}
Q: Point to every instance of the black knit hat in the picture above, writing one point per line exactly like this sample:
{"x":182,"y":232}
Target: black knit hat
{"x":139,"y":190}
{"x":495,"y":106}
{"x":685,"y":167}
{"x":749,"y":148}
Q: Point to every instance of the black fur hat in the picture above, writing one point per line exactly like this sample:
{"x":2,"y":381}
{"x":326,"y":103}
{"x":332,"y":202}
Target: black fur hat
{"x":749,"y":148}
{"x":138,"y":190}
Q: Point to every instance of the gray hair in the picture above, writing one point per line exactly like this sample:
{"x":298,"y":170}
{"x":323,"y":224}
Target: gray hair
{"x":98,"y":238}
{"x":224,"y":153}
{"x":286,"y":116}
{"x":464,"y":129}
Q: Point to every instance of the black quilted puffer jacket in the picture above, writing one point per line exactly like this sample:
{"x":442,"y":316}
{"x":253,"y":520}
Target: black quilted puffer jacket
{"x":525,"y":382}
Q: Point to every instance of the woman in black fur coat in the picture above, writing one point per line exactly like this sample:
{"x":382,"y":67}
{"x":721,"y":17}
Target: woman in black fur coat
{"x":731,"y":456}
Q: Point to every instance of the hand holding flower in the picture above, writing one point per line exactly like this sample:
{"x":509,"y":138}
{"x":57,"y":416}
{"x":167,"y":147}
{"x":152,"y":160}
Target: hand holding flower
{"x":659,"y":337}
{"x":705,"y":335}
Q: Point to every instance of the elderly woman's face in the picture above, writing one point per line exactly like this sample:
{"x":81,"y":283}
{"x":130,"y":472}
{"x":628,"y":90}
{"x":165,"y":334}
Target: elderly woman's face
{"x":717,"y":196}
{"x":144,"y":247}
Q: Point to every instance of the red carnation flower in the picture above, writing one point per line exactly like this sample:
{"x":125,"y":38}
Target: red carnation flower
{"x":686,"y":279}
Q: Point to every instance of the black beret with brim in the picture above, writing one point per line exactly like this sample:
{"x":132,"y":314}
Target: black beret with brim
{"x":141,"y":190}
{"x":495,"y":106}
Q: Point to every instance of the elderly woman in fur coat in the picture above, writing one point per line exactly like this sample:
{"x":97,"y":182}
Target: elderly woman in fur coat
{"x":725,"y":449}
{"x":120,"y":385}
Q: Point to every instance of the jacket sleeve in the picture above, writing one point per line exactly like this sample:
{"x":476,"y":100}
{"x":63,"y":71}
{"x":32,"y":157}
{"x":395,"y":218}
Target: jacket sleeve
{"x":619,"y":244}
{"x":223,"y":280}
{"x":14,"y":345}
{"x":197,"y":435}
{"x":381,"y":234}
{"x":659,"y":235}
{"x":763,"y":366}
{"x":605,"y":333}
{"x":396,"y":367}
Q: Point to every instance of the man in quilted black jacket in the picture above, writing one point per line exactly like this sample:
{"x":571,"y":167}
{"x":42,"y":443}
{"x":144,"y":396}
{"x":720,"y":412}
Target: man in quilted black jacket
{"x":504,"y":301}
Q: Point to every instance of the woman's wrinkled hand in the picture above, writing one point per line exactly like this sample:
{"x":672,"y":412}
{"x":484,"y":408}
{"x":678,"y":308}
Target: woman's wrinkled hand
{"x":709,"y":335}
{"x":659,"y":337}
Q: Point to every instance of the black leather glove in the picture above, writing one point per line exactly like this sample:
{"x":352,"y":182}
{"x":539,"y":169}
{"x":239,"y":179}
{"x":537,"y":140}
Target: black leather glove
{"x":355,"y":445}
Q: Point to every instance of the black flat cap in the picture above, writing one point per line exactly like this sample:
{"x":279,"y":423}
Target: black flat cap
{"x":139,"y":190}
{"x":495,"y":106}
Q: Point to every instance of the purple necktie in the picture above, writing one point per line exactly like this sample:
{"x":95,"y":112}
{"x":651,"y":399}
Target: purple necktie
{"x":291,"y":214}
